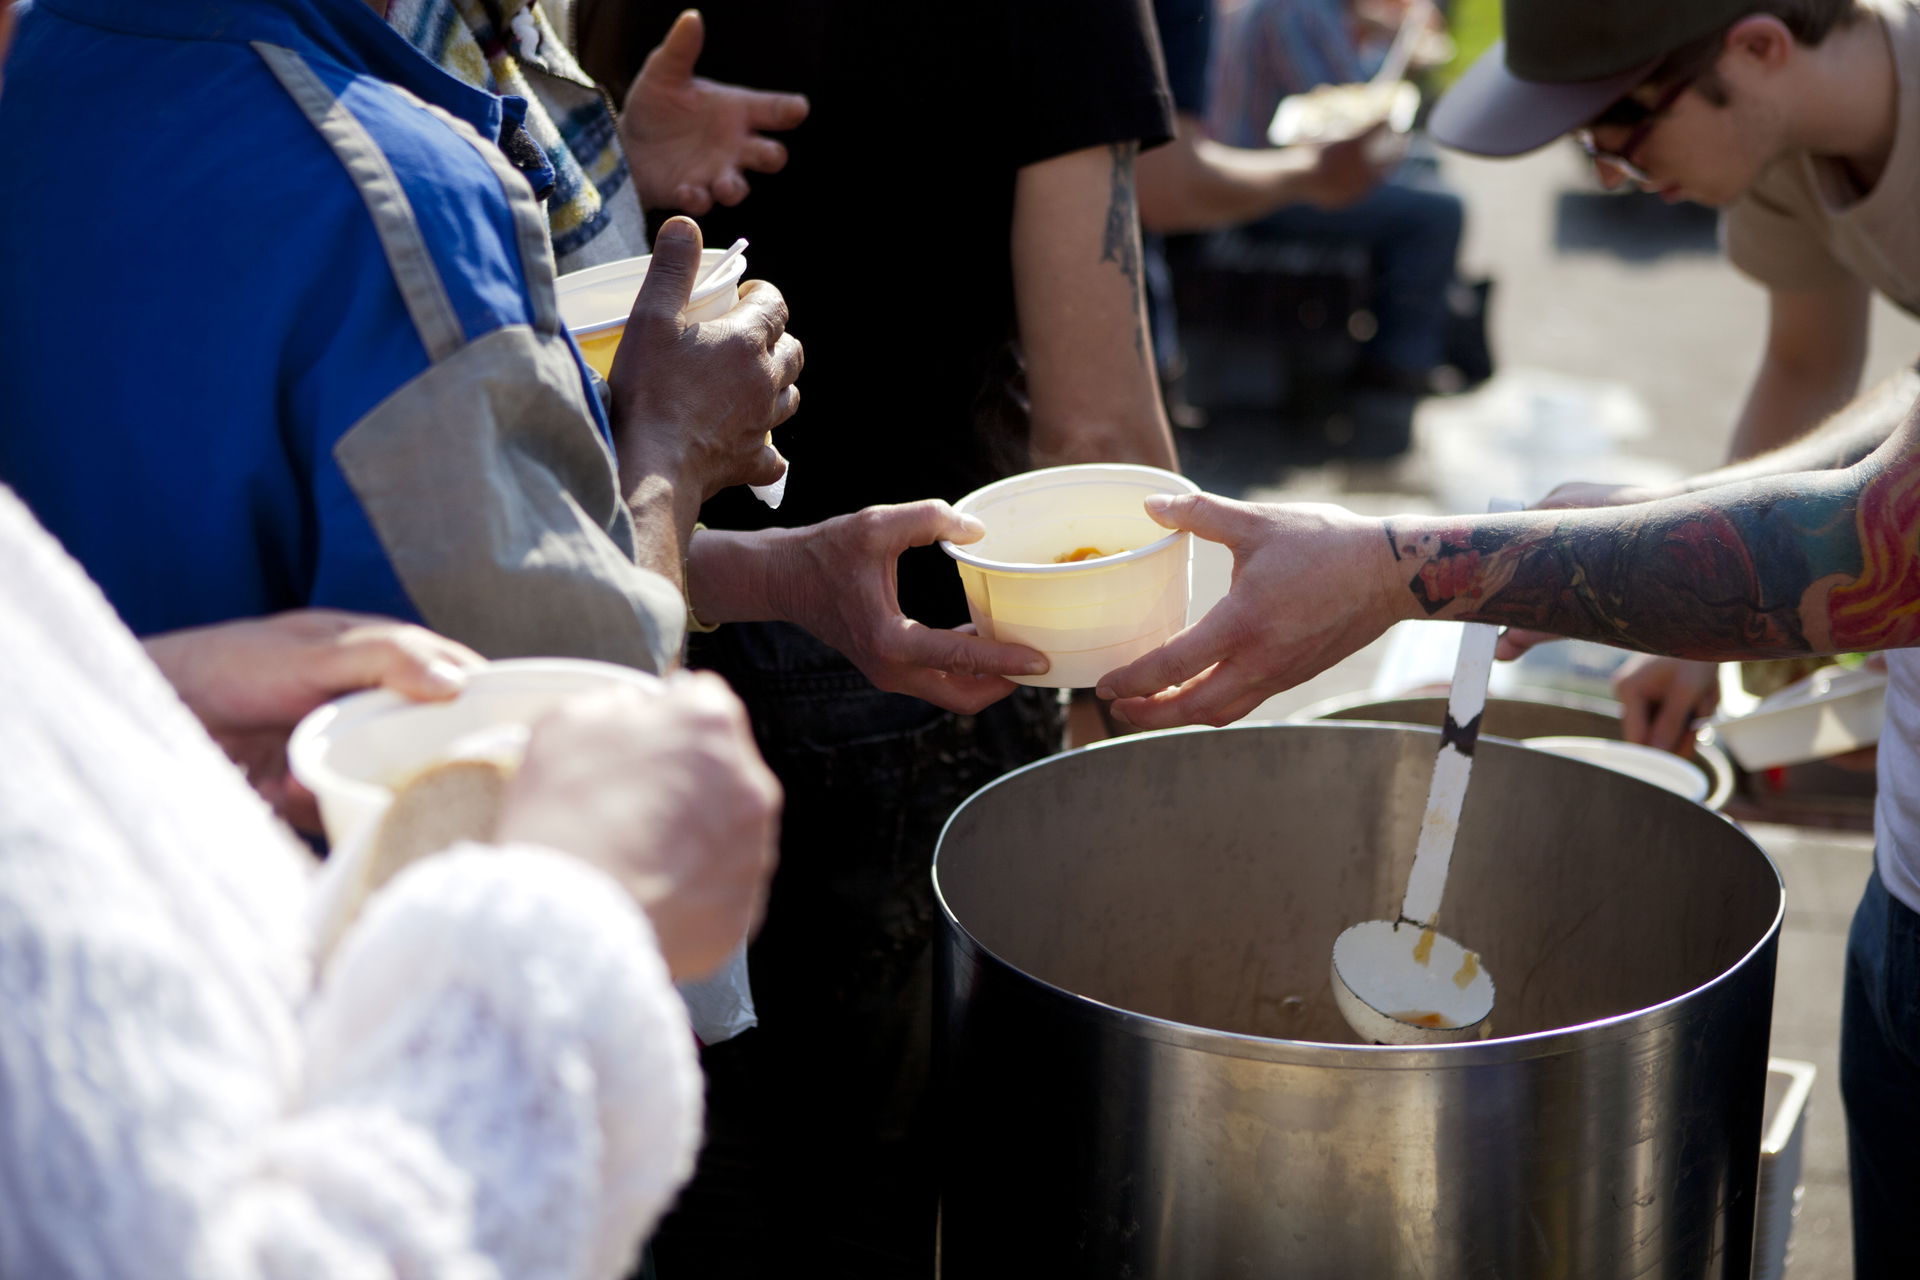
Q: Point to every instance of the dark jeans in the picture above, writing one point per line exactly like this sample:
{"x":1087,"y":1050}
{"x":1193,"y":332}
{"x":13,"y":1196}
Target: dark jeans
{"x":1880,"y":1080}
{"x":1411,"y":227}
{"x":818,"y":1155}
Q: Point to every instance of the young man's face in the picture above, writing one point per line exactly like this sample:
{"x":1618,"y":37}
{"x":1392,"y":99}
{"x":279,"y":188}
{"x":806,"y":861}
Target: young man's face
{"x":1709,"y":135}
{"x":1692,"y":148}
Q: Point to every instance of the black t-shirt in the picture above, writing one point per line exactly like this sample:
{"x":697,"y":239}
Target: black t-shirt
{"x":888,"y":231}
{"x":1186,"y":32}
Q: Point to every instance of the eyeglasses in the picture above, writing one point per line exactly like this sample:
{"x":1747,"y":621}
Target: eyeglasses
{"x":1642,"y":119}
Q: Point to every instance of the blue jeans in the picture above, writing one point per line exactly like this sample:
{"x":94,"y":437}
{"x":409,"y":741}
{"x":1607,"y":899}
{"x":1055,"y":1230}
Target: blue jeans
{"x":1411,"y":227}
{"x":1880,"y":1080}
{"x":819,"y":1157}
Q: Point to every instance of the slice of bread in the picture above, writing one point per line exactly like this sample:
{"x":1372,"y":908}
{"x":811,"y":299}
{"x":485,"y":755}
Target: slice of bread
{"x":440,"y":806}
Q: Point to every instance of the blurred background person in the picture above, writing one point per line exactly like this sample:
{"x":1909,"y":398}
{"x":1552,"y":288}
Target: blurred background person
{"x":1410,"y":224}
{"x":1195,"y":183}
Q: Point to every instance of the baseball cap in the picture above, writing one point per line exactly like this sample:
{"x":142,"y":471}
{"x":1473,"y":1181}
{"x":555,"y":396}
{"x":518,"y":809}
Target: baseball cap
{"x":1563,"y":62}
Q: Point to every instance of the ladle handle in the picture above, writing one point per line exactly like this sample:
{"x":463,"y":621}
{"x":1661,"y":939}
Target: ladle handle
{"x":1466,"y":701}
{"x":1451,"y":766}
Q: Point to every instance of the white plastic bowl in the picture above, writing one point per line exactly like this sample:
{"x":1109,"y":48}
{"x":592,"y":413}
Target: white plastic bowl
{"x":1831,"y":712}
{"x":1090,"y":616}
{"x":1649,"y":764}
{"x":352,"y":752}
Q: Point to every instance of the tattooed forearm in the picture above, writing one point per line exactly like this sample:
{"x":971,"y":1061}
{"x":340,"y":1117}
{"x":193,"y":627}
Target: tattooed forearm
{"x":1828,"y":562}
{"x":1120,"y":240}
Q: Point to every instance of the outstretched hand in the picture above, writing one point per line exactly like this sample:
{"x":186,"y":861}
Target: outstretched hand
{"x":690,"y":141}
{"x":1304,"y":596}
{"x":250,"y":682}
{"x":838,"y":582}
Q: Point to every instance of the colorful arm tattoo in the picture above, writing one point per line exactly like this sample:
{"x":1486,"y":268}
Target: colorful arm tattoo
{"x":1819,"y":562}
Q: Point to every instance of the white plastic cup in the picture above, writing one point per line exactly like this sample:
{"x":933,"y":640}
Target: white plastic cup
{"x":1087,"y":617}
{"x":595,"y":303}
{"x":353,"y":752}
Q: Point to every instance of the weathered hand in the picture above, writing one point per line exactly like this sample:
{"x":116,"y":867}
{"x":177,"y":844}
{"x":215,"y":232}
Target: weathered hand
{"x":689,"y":139}
{"x":837,"y":581}
{"x":1307,"y":591}
{"x":695,"y":402}
{"x":1661,"y":697}
{"x":250,"y":682}
{"x":667,"y":794}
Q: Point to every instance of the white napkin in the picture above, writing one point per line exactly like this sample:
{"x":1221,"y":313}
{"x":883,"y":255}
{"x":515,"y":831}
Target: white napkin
{"x":771,"y":494}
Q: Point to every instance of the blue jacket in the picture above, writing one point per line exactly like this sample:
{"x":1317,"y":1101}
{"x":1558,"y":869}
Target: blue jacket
{"x":197,"y":312}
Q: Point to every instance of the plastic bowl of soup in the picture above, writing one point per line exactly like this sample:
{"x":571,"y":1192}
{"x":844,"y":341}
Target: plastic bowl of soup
{"x":1072,"y":565}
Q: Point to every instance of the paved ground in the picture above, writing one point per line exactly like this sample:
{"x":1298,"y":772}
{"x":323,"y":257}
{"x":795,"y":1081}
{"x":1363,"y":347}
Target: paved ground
{"x":1624,"y":344}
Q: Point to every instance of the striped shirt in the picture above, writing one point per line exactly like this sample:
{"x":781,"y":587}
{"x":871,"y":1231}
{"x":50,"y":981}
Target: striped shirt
{"x":1265,"y":50}
{"x":515,"y":48}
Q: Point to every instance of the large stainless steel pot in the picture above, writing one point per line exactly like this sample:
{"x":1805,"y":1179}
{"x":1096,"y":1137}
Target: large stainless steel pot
{"x":1145,"y":1074}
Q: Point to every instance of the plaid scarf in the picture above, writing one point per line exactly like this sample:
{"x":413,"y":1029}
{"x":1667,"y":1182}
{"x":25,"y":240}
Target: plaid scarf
{"x":513,"y":47}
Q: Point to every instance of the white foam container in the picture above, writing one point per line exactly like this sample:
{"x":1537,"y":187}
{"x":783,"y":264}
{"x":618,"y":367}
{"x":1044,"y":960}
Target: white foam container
{"x":1649,"y":764}
{"x":1831,"y":712}
{"x":1087,"y":617}
{"x":353,"y":751}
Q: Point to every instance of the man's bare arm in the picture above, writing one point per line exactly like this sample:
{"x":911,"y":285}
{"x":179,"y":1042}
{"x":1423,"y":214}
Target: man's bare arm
{"x":1196,"y":184}
{"x":1809,"y":369}
{"x":1082,"y":312}
{"x":1813,"y":562}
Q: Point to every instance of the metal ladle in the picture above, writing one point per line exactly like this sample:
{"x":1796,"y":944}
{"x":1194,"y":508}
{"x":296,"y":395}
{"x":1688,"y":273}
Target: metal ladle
{"x":1403,"y":981}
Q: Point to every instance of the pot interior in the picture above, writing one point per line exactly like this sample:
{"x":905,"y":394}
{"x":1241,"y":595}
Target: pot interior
{"x":1201,"y":876}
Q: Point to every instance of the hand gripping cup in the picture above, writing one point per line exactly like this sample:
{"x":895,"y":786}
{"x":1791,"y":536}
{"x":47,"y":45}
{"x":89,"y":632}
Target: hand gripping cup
{"x":357,"y":753}
{"x":1072,"y":565}
{"x":595,"y":303}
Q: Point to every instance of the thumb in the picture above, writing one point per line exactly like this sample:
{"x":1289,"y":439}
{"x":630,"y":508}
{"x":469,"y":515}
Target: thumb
{"x":1215,"y":519}
{"x":674,"y":57}
{"x":671,"y":272}
{"x":917,"y":524}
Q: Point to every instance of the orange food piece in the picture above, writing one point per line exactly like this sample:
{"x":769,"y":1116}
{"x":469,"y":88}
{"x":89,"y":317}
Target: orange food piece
{"x":1080,"y":553}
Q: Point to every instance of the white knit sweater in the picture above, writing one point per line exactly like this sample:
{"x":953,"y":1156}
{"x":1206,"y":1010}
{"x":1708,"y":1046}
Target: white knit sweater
{"x":495,"y":1079}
